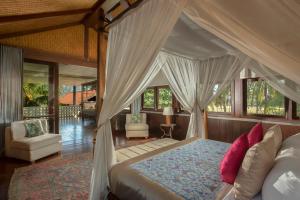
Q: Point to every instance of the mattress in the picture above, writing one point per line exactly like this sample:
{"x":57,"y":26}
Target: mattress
{"x":186,"y":170}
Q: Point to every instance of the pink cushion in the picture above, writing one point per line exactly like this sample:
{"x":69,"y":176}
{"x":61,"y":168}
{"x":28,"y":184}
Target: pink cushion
{"x":255,"y":135}
{"x":233,"y":159}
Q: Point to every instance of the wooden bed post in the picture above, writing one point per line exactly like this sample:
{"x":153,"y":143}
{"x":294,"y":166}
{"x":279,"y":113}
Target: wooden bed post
{"x":101,"y":56}
{"x":205,"y":124}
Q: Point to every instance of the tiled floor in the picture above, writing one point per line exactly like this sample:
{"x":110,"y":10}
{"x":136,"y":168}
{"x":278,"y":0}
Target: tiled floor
{"x":77,"y":137}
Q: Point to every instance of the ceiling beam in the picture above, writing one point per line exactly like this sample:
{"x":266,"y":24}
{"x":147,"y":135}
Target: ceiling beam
{"x":48,"y":28}
{"x":131,"y":6}
{"x":14,"y":18}
{"x":93,"y":19}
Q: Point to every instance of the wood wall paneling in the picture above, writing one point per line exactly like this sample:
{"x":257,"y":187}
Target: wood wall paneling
{"x":220,"y":129}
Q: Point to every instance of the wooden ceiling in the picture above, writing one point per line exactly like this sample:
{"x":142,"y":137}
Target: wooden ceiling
{"x":19,"y":17}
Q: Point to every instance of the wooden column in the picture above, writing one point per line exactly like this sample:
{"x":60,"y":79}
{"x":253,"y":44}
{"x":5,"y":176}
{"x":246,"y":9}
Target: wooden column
{"x":101,"y":61}
{"x":74,"y":94}
{"x":240,"y":92}
{"x":102,"y":46}
{"x":53,"y":104}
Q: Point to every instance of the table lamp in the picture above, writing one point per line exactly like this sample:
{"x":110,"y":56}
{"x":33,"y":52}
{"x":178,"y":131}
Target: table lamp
{"x":168,"y":112}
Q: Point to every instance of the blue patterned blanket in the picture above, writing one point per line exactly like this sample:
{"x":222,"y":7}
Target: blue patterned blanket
{"x":191,"y":171}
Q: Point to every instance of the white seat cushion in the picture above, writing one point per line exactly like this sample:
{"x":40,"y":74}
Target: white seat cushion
{"x":35,"y":143}
{"x":136,"y":127}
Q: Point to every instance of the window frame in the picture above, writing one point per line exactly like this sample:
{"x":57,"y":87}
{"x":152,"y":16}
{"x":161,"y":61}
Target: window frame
{"x":261,"y":116}
{"x":232,"y":91}
{"x":157,"y":96}
{"x":149,"y":109}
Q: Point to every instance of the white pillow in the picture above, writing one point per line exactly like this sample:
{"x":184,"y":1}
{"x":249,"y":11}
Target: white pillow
{"x":283,"y":181}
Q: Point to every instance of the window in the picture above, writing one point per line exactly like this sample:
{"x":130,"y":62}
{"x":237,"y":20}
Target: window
{"x":164,"y":97}
{"x":149,"y":99}
{"x":222,"y":103}
{"x":156,"y":98}
{"x":262,"y":99}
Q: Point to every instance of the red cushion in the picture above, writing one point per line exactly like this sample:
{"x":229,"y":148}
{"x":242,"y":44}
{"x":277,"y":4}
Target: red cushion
{"x":233,"y":159}
{"x":255,"y":135}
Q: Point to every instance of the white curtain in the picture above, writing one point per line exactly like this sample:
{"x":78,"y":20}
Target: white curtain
{"x":282,"y":84}
{"x":11,"y":69}
{"x":181,"y":74}
{"x":195,"y":83}
{"x":133,"y":45}
{"x":267,"y":31}
{"x":136,"y":105}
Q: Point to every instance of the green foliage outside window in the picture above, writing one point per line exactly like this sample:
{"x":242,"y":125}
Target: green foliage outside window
{"x":35,"y":94}
{"x":263,"y":99}
{"x":164,"y":98}
{"x":149,"y":98}
{"x":221,"y":103}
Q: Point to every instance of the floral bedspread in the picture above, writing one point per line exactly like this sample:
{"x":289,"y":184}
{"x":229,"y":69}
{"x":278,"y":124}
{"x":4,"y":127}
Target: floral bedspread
{"x":191,"y":171}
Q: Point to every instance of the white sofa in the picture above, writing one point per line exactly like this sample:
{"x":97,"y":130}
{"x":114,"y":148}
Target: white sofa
{"x":30,"y":149}
{"x":137,"y":129}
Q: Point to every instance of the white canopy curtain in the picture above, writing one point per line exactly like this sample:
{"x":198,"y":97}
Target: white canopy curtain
{"x":282,"y":84}
{"x":267,"y":31}
{"x":136,"y":105}
{"x":133,"y":45}
{"x":196,"y":82}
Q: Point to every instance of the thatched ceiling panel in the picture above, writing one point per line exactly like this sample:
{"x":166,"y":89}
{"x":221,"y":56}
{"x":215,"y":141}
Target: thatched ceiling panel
{"x":66,"y":41}
{"x":92,"y":44}
{"x":39,"y":23}
{"x":21,"y":7}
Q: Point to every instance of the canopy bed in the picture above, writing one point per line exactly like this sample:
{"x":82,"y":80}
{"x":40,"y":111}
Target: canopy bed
{"x":200,"y":46}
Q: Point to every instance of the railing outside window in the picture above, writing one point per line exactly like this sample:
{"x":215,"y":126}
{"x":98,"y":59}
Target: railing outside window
{"x":42,"y":111}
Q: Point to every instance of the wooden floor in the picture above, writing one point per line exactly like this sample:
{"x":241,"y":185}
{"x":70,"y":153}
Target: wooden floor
{"x":77,"y":137}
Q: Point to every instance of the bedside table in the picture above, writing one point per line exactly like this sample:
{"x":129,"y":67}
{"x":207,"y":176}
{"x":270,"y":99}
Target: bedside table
{"x":167,"y":129}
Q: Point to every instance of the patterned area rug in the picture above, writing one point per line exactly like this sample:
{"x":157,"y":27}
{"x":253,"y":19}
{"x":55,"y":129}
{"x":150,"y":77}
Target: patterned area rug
{"x":67,"y":178}
{"x":62,"y":178}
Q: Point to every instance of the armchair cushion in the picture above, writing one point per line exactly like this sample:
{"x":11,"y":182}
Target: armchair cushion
{"x":18,"y":130}
{"x":34,"y":143}
{"x":136,"y":126}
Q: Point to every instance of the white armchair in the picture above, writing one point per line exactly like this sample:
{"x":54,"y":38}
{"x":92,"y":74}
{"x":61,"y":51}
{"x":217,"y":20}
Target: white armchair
{"x":30,"y":149}
{"x":137,"y":129}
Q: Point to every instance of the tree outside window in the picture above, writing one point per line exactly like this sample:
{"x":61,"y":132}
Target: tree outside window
{"x":164,"y":97}
{"x":149,"y":98}
{"x":262,"y":99}
{"x":222,"y":103}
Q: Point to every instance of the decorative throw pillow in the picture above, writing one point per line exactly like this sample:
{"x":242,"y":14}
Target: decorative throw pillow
{"x":276,"y":134}
{"x":257,"y":162}
{"x":255,"y":135}
{"x":233,"y":159}
{"x":136,"y":118}
{"x":33,"y":128}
